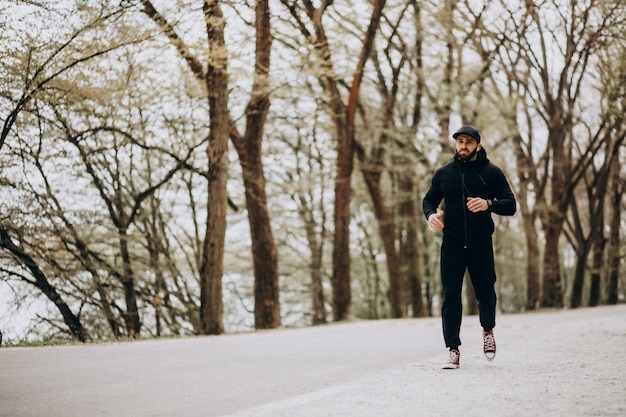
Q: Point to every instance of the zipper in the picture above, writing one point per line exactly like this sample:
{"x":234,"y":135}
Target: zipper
{"x":463,"y":202}
{"x":480,"y":176}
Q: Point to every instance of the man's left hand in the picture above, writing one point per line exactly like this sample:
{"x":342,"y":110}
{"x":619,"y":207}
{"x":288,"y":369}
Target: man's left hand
{"x":477,"y":204}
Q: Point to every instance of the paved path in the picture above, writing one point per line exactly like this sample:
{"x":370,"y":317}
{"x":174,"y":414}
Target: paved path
{"x":569,"y":363}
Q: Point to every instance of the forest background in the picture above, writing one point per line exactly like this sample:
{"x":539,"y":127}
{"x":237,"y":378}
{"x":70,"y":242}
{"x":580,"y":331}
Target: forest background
{"x":201,"y":167}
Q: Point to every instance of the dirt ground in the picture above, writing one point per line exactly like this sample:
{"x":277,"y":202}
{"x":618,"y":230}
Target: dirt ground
{"x":558,"y":363}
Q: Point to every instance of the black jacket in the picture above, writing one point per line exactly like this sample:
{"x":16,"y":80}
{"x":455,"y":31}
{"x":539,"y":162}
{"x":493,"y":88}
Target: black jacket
{"x":454,"y":183}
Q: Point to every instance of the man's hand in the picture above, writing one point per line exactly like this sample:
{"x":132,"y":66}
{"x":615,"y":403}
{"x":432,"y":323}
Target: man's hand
{"x":477,"y":204}
{"x":434,"y":223}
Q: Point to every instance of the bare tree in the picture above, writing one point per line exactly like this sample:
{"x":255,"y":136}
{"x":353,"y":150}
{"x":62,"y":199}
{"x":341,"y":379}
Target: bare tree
{"x":44,"y":71}
{"x":392,"y":152}
{"x":308,"y":194}
{"x":344,"y":118}
{"x":215,"y":76}
{"x":555,"y":93}
{"x":249,"y":149}
{"x":590,"y":237}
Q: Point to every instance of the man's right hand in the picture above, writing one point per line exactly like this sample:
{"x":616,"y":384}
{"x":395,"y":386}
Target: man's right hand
{"x":434,"y":223}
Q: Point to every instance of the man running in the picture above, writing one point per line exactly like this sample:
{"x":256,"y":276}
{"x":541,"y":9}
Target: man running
{"x":472,"y":188}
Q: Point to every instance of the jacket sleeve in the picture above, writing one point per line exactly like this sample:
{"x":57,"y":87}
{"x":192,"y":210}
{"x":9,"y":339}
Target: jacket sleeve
{"x":433,"y":197}
{"x":504,"y":203}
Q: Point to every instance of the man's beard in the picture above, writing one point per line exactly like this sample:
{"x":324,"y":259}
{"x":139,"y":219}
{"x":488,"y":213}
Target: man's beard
{"x":469,"y":156}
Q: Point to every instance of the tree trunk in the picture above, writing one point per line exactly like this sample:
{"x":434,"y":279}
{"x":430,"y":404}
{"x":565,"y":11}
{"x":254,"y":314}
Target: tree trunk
{"x":554,"y":215}
{"x":617,"y":192}
{"x":311,"y":210}
{"x":131,"y":316}
{"x":410,"y":253}
{"x":526,"y":175}
{"x":317,"y":289}
{"x":249,"y":148}
{"x":341,"y":278}
{"x":376,"y":298}
{"x":552,"y":295}
{"x":105,"y":306}
{"x":212,"y":263}
{"x":579,"y":275}
{"x":533,"y":288}
{"x":596,"y":272}
{"x":342,"y":292}
{"x":264,"y":254}
{"x":387,"y":235}
{"x":316,"y":244}
{"x":343,"y":118}
{"x":411,"y":256}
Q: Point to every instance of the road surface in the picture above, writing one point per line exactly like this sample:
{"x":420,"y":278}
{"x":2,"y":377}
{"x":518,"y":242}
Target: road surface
{"x":560,"y":363}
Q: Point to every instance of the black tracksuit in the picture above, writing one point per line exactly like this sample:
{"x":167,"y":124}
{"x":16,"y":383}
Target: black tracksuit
{"x":467,"y":242}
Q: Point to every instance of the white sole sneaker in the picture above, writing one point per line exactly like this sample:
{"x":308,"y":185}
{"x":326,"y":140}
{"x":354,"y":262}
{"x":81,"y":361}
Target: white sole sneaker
{"x":489,"y":345}
{"x":453,"y":361}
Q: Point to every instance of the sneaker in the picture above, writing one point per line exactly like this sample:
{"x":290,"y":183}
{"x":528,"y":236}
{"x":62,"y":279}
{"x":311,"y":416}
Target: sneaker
{"x":489,"y":344}
{"x":453,"y":361}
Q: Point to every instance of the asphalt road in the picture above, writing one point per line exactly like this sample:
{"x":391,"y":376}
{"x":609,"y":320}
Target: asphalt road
{"x":548,"y":363}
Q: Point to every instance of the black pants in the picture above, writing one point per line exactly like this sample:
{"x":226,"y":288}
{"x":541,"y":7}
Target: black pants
{"x":478,"y":260}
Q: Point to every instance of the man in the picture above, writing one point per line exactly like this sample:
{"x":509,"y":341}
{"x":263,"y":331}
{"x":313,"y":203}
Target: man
{"x":472,"y":188}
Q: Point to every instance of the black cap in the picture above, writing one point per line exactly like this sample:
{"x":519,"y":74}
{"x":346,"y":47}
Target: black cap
{"x":467,"y":130}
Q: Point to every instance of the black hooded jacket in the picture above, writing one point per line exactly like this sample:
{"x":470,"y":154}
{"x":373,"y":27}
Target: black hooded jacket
{"x":454,"y":183}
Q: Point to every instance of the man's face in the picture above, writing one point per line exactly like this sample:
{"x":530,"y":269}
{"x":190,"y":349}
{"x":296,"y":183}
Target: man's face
{"x":467,"y":147}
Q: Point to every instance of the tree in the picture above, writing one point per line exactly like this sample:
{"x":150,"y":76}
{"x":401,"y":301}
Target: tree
{"x":309,"y":182}
{"x":344,"y":119}
{"x":388,"y":157}
{"x":558,"y":108}
{"x":46,"y":68}
{"x":215,"y":76}
{"x":612,"y":82}
{"x":555,"y":91}
{"x":596,"y":184}
{"x":249,"y":149}
{"x":139,"y":243}
{"x":618,"y":190}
